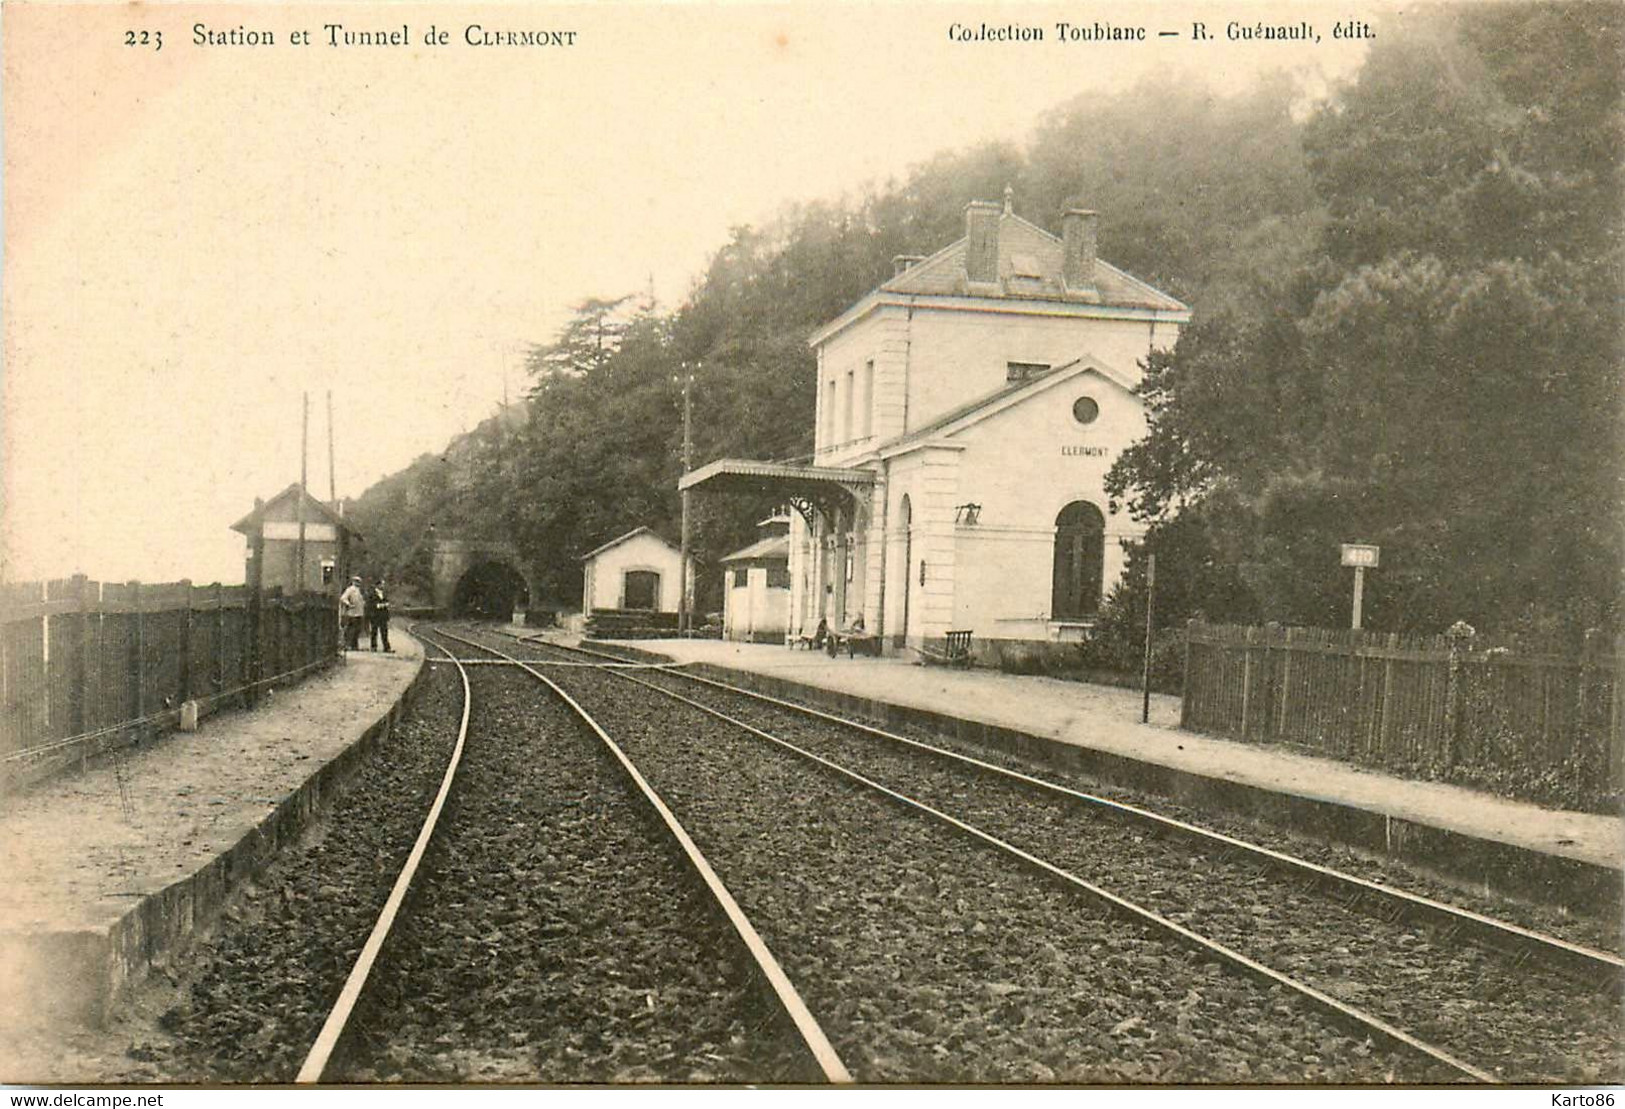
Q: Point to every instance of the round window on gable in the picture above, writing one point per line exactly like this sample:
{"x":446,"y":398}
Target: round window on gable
{"x":1085,"y":410}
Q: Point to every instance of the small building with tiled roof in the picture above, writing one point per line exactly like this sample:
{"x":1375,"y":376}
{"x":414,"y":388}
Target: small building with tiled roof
{"x":968,"y":410}
{"x":756,"y":586}
{"x":639,"y":571}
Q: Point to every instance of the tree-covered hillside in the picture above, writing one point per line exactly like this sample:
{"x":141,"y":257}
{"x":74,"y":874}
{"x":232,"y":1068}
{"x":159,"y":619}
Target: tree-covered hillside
{"x":1442,"y":374}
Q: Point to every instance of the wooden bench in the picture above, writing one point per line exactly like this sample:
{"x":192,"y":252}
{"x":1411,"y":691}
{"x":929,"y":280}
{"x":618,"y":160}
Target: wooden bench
{"x":836,"y":641}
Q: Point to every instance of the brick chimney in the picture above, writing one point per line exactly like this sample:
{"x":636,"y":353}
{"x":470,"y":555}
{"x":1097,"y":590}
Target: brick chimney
{"x":982,"y":241}
{"x":1078,"y":249}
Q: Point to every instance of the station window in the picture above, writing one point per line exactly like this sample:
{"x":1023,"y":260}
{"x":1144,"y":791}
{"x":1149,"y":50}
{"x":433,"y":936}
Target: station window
{"x":848,"y":429}
{"x":866,"y":427}
{"x":1085,"y":410}
{"x":1026,"y":266}
{"x":741,"y":577}
{"x":778,"y":577}
{"x":829,"y":412}
{"x":1024,"y":371}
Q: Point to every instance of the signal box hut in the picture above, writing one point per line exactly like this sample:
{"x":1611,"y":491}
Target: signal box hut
{"x":272,"y":530}
{"x":968,"y":410}
{"x":756,"y":587}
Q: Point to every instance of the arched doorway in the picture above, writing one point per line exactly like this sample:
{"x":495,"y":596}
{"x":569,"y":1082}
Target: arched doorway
{"x":1080,"y":550}
{"x":490,"y":590}
{"x":642,"y":589}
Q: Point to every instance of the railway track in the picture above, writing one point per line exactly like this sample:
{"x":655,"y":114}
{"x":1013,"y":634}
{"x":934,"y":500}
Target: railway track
{"x":870,"y":897}
{"x":253,"y":991}
{"x":1496,"y":993}
{"x":533,"y":934}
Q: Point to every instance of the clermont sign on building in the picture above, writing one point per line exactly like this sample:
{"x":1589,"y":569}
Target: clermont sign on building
{"x":968,"y":411}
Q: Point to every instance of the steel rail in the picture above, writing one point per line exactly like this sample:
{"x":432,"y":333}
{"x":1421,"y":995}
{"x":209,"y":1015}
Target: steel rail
{"x":1350,"y":1016}
{"x":789,"y":999}
{"x":338,"y":1017}
{"x":594,"y":665}
{"x":1600,"y":970}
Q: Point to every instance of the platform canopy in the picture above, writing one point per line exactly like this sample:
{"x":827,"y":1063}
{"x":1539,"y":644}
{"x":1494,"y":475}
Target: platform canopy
{"x":803,"y":487}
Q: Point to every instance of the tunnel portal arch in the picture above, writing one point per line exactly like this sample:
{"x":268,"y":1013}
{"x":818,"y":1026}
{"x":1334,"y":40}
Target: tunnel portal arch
{"x":490,"y":589}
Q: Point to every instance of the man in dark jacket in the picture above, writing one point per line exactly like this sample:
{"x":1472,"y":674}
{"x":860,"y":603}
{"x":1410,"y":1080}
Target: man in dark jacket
{"x":378,"y":615}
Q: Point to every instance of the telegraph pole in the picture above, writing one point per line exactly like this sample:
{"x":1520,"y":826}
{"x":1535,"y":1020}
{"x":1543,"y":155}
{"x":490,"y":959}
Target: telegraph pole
{"x":1145,"y":673}
{"x":341,"y":549}
{"x":332,"y":473}
{"x":684,"y":616}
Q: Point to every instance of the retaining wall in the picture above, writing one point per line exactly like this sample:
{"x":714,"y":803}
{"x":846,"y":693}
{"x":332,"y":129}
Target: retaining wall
{"x":80,"y":975}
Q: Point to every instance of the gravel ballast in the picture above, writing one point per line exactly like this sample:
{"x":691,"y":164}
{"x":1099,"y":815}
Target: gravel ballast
{"x":554,"y":935}
{"x":1524,"y":1024}
{"x":255,"y":990}
{"x":930,"y":960}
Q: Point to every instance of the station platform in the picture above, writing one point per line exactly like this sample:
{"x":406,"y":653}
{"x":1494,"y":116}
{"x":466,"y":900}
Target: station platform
{"x":1472,"y":837}
{"x":111,"y":867}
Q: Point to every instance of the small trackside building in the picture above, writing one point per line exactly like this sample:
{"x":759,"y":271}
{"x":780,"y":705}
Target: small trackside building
{"x":756,"y":587}
{"x":637,"y":571}
{"x":968,"y":410}
{"x":273,"y":532}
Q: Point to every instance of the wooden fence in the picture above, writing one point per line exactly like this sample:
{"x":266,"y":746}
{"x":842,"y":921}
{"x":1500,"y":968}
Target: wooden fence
{"x":1539,"y":726}
{"x":84,"y":665}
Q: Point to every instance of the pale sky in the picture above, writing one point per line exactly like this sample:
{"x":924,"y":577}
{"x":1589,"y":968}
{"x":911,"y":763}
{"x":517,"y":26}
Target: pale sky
{"x":196,"y":235}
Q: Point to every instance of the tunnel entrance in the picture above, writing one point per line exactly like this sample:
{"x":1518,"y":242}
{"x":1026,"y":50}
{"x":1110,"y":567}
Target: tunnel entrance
{"x":490,"y":591}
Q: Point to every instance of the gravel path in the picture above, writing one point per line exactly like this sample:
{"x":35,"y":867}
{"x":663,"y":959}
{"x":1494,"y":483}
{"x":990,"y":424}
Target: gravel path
{"x":77,"y":850}
{"x":1527,"y":1025}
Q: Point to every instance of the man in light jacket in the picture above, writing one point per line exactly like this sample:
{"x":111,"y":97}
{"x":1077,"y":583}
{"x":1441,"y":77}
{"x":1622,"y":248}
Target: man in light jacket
{"x":351,"y":610}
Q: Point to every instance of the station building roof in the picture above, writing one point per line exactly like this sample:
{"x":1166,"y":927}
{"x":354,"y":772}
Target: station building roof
{"x":774,"y":548}
{"x":828,"y":488}
{"x":619,"y":539}
{"x":745,"y":475}
{"x":1029,"y":278}
{"x":1030,"y":265}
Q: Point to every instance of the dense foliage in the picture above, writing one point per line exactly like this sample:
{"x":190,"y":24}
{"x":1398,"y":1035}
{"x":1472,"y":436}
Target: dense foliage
{"x":1442,"y":375}
{"x":1407,"y":334}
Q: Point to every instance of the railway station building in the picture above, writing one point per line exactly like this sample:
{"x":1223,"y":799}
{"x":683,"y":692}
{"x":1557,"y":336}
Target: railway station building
{"x":968,"y":410}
